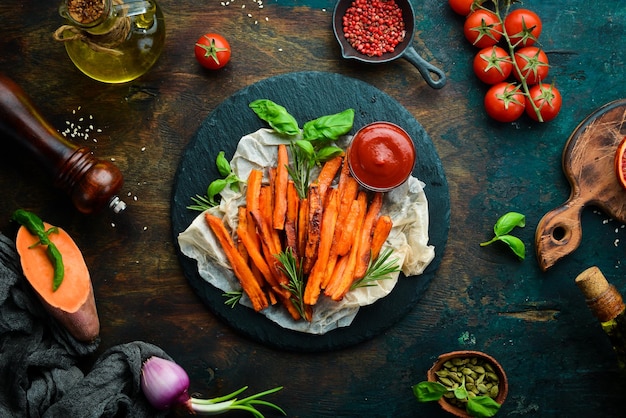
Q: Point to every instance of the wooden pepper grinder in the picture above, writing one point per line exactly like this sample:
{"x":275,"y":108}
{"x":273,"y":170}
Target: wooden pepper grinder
{"x":91,"y":184}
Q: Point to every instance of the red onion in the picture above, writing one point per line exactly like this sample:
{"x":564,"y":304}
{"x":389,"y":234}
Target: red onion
{"x":166,"y":385}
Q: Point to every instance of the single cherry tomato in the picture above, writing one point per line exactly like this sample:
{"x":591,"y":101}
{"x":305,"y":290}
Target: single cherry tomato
{"x":482,"y":28}
{"x":523,"y":27}
{"x":212,"y":51}
{"x":462,"y":7}
{"x":547,"y":100}
{"x":504,"y":102}
{"x":533,"y":64}
{"x":492,"y":65}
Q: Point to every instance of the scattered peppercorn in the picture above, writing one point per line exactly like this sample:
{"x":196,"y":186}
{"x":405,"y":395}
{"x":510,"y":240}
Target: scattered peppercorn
{"x":85,"y":11}
{"x":374,"y":27}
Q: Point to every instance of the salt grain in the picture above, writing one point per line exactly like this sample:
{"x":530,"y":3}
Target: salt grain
{"x":258,"y":3}
{"x":75,"y":129}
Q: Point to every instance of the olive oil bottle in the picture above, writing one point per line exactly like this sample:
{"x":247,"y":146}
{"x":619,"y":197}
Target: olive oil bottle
{"x":608,"y":307}
{"x":113,"y":41}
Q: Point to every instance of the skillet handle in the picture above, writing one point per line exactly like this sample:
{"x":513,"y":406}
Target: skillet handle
{"x":433,"y":76}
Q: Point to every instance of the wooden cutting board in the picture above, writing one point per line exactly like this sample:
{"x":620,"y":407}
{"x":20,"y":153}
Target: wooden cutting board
{"x":589,"y":165}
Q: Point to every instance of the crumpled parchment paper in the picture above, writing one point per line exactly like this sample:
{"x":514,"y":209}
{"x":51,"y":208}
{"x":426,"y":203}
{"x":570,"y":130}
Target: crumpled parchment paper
{"x":407,"y":205}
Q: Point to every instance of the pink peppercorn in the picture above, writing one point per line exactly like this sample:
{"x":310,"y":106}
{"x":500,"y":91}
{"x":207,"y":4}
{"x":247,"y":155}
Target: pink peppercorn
{"x":374,"y":27}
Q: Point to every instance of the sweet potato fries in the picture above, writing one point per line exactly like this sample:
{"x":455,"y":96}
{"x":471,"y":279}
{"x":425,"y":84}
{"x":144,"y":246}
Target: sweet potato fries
{"x":332,"y":234}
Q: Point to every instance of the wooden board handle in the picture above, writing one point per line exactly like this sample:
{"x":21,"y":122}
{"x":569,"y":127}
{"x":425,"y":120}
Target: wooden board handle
{"x":92,"y":184}
{"x":559,"y":233}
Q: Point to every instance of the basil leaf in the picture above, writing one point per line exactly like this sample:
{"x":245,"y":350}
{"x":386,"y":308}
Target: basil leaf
{"x":328,"y":153}
{"x":429,"y":391}
{"x":507,"y":222}
{"x":482,"y":406}
{"x":215,"y":188}
{"x":460,"y":392}
{"x":223,"y":166}
{"x":233,"y":181}
{"x":329,"y":127}
{"x":276,"y":115}
{"x":515,"y":244}
{"x":307,"y":148}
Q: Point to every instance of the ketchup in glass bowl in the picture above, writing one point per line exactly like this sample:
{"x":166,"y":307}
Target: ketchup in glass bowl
{"x":381,"y":156}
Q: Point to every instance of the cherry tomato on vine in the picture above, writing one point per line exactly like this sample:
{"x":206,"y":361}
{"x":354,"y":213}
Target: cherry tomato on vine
{"x":482,"y":28}
{"x":492,"y":65}
{"x":212,"y":51}
{"x":504,"y":102}
{"x":547,"y":100}
{"x":533,"y":64}
{"x":523,"y":27}
{"x":462,"y":7}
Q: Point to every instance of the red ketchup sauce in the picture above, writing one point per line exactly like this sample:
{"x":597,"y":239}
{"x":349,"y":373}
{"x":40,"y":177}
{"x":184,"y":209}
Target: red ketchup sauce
{"x":381,"y":156}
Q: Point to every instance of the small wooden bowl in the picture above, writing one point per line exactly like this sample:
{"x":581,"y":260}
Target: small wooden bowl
{"x":503,"y":381}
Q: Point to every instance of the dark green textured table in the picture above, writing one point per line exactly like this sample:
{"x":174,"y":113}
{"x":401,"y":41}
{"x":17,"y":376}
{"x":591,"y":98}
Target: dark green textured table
{"x":558,"y":361}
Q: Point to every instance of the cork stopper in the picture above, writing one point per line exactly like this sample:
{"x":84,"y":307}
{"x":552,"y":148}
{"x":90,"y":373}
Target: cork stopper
{"x":85,"y":11}
{"x":602,"y":298}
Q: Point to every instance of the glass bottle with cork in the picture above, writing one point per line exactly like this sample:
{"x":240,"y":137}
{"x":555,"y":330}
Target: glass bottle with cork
{"x":113,"y":41}
{"x":607,"y":305}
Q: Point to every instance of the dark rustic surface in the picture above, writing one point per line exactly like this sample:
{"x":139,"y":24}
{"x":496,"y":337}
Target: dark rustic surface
{"x":559,"y":362}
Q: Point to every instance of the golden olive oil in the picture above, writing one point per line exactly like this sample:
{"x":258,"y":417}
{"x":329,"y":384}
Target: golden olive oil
{"x":119,"y":46}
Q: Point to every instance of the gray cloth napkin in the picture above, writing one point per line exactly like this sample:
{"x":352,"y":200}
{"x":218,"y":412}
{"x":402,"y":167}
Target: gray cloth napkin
{"x":39,"y":373}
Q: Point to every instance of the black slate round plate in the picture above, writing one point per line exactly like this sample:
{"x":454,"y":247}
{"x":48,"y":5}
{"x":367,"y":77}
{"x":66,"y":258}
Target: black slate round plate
{"x":308,"y":95}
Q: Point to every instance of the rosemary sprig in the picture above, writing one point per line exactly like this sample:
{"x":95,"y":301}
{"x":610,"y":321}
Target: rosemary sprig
{"x":379,"y":269}
{"x":233,"y":297}
{"x":300,"y":170}
{"x":296,"y":285}
{"x":201,"y":203}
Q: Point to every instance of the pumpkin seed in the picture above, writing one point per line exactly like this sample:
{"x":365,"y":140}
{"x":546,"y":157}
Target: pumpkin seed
{"x":479,"y":369}
{"x":459,"y":361}
{"x":477,"y":374}
{"x":455,"y":377}
{"x":480,"y":379}
{"x":492,"y":376}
